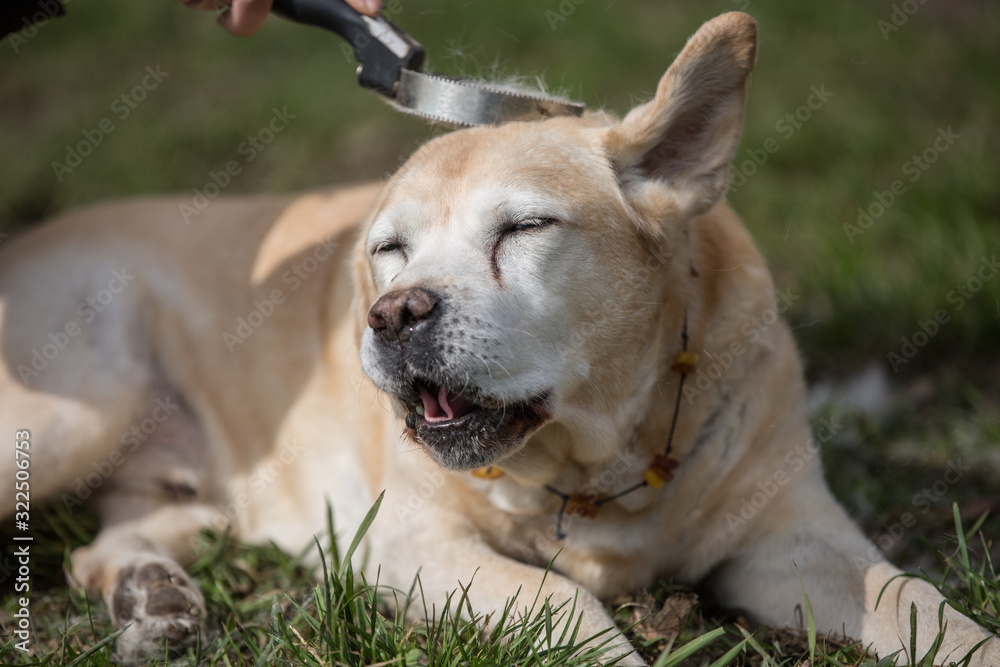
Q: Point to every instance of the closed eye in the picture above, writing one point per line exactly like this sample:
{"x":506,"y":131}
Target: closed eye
{"x":528,"y":225}
{"x":386,"y":247}
{"x":512,"y":230}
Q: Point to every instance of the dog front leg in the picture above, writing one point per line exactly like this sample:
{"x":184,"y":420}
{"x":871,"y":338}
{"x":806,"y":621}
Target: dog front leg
{"x":843,"y":574}
{"x":490,"y":581}
{"x":887,"y":620}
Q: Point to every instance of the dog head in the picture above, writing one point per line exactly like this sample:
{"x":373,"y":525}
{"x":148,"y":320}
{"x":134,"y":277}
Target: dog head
{"x":519,"y":275}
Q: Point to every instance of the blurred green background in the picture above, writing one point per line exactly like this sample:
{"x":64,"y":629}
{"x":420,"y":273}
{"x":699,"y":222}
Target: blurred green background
{"x":895,"y":85}
{"x":894,"y":77}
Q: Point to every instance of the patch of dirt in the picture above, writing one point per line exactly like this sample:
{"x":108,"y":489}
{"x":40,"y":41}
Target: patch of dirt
{"x":653,"y":621}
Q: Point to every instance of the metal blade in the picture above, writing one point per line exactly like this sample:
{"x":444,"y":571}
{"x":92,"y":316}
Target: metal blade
{"x":464,"y":103}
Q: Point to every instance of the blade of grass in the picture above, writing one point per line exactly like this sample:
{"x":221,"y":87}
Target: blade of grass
{"x":810,"y":619}
{"x":730,"y":655}
{"x":362,"y":529}
{"x":96,"y":647}
{"x":671,"y":659}
{"x":755,"y":645}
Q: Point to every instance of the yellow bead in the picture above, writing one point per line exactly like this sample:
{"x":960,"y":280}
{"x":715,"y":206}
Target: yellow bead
{"x":489,"y":472}
{"x":685,"y":362}
{"x":653,"y":479}
{"x":687,"y":358}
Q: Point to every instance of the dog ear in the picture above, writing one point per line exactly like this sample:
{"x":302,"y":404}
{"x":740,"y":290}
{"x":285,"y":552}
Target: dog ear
{"x":672,"y":154}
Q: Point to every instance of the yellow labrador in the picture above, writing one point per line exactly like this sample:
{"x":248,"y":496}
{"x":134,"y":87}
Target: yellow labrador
{"x":527,"y":302}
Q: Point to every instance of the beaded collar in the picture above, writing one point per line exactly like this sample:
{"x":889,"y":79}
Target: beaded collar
{"x":659,"y":472}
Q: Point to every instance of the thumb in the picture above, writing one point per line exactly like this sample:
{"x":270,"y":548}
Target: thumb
{"x":244,"y":17}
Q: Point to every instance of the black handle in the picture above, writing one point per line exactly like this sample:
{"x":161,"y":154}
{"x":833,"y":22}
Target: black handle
{"x":380,"y":47}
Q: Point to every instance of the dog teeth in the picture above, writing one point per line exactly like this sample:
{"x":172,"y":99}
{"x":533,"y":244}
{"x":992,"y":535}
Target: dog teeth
{"x":419,"y":410}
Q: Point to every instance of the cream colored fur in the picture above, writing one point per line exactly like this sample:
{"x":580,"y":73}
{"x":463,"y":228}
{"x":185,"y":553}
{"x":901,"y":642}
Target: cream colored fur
{"x":562,"y":258}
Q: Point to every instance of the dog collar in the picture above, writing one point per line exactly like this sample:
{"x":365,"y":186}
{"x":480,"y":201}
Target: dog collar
{"x":660,"y":469}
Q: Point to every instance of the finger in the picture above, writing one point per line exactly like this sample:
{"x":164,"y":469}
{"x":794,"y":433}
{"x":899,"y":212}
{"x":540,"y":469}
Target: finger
{"x":244,"y":17}
{"x":369,"y":7}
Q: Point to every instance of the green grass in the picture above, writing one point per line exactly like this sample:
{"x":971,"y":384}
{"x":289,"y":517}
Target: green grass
{"x":265,"y":606}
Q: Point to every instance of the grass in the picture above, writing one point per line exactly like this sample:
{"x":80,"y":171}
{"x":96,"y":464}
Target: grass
{"x":860,"y":295}
{"x":265,"y":606}
{"x":254,"y":619}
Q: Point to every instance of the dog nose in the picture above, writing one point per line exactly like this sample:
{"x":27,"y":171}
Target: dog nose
{"x":394,"y":315}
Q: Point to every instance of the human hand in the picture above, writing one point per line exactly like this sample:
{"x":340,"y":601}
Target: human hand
{"x":244,"y":17}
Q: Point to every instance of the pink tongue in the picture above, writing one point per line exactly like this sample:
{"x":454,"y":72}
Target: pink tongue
{"x":444,"y":406}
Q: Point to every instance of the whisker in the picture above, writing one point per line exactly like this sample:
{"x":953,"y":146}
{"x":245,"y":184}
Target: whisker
{"x":520,"y":331}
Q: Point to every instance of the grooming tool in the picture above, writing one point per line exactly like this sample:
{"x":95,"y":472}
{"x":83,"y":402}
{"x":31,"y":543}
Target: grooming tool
{"x":390,"y":63}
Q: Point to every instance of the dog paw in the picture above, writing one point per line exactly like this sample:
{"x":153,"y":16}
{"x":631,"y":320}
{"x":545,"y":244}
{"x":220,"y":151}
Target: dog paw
{"x":159,"y":607}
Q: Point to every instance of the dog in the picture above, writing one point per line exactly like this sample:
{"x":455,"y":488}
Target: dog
{"x":498,"y":337}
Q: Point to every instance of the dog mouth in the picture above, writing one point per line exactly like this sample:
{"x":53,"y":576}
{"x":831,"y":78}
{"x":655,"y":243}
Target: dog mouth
{"x":462,"y":430}
{"x":442,"y":406}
